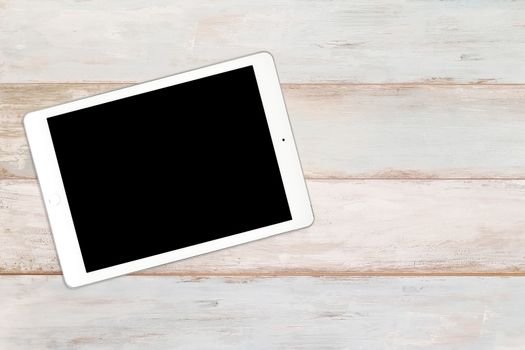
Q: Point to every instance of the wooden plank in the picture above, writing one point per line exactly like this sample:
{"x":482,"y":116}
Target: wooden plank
{"x":268,"y":313}
{"x":349,"y":131}
{"x":361,"y":227}
{"x":18,"y":99}
{"x":409,"y":131}
{"x":314,"y":41}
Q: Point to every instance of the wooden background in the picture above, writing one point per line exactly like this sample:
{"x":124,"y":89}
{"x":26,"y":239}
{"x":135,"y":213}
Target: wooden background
{"x":409,"y":118}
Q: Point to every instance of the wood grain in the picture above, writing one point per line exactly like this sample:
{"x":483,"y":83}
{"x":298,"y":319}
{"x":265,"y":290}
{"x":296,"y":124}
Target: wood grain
{"x":378,"y":92}
{"x":361,"y":227}
{"x":279,"y":313}
{"x":18,"y":99}
{"x":348,"y":131}
{"x":359,"y":41}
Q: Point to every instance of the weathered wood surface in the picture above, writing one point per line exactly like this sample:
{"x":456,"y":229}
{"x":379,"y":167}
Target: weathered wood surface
{"x":375,"y":90}
{"x":348,"y":131}
{"x":359,"y":41}
{"x":380,"y":226}
{"x":39,"y":312}
{"x":18,"y":99}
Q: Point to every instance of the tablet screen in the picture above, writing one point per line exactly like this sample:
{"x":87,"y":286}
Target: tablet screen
{"x":169,"y":168}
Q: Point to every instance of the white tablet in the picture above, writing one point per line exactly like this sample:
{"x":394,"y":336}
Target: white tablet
{"x":168,"y":169}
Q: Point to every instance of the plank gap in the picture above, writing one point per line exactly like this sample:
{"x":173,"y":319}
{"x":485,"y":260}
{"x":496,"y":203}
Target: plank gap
{"x":350,"y":178}
{"x":280,"y":274}
{"x":301,"y":84}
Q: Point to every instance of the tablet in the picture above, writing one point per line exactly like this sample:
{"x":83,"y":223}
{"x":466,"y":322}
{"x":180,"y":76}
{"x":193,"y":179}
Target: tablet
{"x":168,"y":169}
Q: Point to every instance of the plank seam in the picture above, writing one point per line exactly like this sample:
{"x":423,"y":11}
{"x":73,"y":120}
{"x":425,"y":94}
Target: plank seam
{"x":306,"y":84}
{"x":294,"y":274}
{"x":349,"y":178}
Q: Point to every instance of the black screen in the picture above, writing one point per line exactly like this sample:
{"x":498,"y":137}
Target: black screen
{"x":169,"y":168}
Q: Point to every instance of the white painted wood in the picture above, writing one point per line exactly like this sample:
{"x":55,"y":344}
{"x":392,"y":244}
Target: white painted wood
{"x":313,"y":41}
{"x":344,"y":131}
{"x":373,"y":226}
{"x":437,"y":313}
{"x":17,"y":100}
{"x":409,"y":131}
{"x":349,"y":131}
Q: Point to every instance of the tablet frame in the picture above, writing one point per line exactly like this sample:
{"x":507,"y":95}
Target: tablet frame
{"x":55,"y":199}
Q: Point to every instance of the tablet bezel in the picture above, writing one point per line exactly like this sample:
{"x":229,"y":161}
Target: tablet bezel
{"x":55,"y":198}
